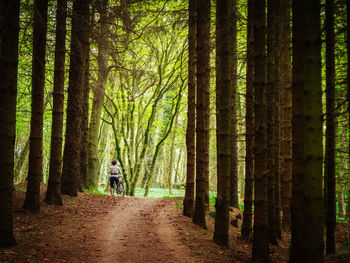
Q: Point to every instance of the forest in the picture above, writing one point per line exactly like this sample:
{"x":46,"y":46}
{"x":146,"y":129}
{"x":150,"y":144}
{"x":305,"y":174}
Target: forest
{"x":238,"y":108}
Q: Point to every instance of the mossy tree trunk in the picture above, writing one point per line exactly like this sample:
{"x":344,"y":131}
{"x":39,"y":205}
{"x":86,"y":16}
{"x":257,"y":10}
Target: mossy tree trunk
{"x":9,"y":31}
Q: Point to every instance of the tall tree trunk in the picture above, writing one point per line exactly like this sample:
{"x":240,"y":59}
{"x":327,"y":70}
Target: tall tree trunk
{"x":271,"y":96}
{"x":330,"y":129}
{"x":191,"y":111}
{"x":9,"y":29}
{"x":35,"y":171}
{"x":307,"y":205}
{"x":224,"y":90}
{"x":83,"y":178}
{"x":53,"y":194}
{"x":276,"y":116}
{"x":249,"y":119}
{"x":348,"y":74}
{"x":99,"y":90}
{"x":71,"y":155}
{"x":234,"y":158}
{"x":286,"y":111}
{"x":202,"y":127}
{"x":260,"y":232}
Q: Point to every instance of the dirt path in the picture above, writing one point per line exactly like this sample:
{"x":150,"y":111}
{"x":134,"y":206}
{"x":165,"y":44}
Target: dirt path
{"x":96,"y":228}
{"x":141,"y":230}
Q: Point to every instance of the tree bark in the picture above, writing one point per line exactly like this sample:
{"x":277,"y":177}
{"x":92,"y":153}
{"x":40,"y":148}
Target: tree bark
{"x":35,"y":171}
{"x":9,"y":31}
{"x":286,"y":111}
{"x":71,"y":156}
{"x":234,"y":158}
{"x":53,"y":194}
{"x":307,"y":206}
{"x":249,"y":118}
{"x":191,"y":111}
{"x":224,"y":91}
{"x":202,"y":128}
{"x":271,"y":121}
{"x":260,"y":251}
{"x":83,"y":178}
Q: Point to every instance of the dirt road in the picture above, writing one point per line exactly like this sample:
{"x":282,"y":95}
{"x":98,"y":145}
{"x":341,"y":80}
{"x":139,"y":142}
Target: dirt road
{"x":142,"y":230}
{"x":95,"y":228}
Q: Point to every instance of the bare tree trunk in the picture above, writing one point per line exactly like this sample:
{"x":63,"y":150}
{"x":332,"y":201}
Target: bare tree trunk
{"x":53,"y":194}
{"x":9,"y":29}
{"x":249,"y":118}
{"x":191,"y":112}
{"x":234,"y":158}
{"x":71,"y":156}
{"x":286,"y":112}
{"x":35,"y":171}
{"x":83,"y":178}
{"x":260,"y":251}
{"x":224,"y":90}
{"x":202,"y":128}
{"x":307,"y":206}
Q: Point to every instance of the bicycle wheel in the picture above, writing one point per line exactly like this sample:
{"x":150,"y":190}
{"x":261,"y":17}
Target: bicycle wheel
{"x":120,"y":189}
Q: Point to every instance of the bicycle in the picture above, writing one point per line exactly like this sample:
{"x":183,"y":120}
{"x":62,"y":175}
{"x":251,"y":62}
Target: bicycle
{"x":119,"y":188}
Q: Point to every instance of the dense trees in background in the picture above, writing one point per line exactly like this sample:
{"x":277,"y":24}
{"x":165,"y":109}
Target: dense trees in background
{"x":249,"y":134}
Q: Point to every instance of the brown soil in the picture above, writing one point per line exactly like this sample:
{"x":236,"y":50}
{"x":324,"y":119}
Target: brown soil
{"x":95,"y":228}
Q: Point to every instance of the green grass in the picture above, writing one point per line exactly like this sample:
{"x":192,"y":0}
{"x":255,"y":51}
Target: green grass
{"x":160,"y":193}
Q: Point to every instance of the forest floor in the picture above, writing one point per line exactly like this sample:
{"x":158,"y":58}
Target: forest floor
{"x":98,"y":228}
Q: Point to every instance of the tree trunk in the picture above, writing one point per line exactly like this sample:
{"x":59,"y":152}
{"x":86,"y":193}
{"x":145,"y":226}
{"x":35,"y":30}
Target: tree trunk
{"x":99,"y":90}
{"x":234,"y":158}
{"x":83,"y":178}
{"x":249,"y":118}
{"x":286,"y":111}
{"x":271,"y":98}
{"x":330,"y":129}
{"x":224,"y":91}
{"x":260,"y":251}
{"x":35,"y":171}
{"x":9,"y":29}
{"x":307,"y":205}
{"x":348,"y":78}
{"x":202,"y":128}
{"x":191,"y":111}
{"x":53,"y":194}
{"x":71,"y":156}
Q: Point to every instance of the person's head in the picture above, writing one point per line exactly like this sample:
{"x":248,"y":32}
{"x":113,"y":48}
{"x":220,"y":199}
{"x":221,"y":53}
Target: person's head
{"x":114,"y":162}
